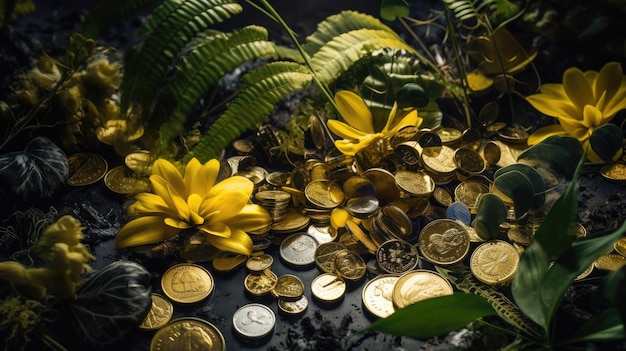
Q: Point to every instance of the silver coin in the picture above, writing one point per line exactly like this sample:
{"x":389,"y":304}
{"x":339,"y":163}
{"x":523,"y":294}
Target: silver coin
{"x":299,"y":249}
{"x":254,"y":321}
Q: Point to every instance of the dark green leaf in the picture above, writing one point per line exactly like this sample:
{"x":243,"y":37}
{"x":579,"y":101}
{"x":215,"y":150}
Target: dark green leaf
{"x":491,"y":212}
{"x":390,"y":9}
{"x":411,"y":95}
{"x":519,"y":188}
{"x":536,"y":180}
{"x":606,"y":325}
{"x":614,"y":290}
{"x":606,"y":140}
{"x":558,"y":154}
{"x":436,"y":316}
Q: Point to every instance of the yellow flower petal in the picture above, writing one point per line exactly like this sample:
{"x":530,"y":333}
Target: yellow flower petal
{"x":217,"y":229}
{"x":251,"y":218}
{"x":144,"y":230}
{"x":148,"y":204}
{"x":239,"y":242}
{"x":176,"y":223}
{"x":203,"y":178}
{"x":354,"y":111}
{"x":592,"y":117}
{"x":170,"y":174}
{"x":191,"y":170}
{"x":234,"y":183}
{"x":577,"y":88}
{"x":160,"y":188}
{"x":351,"y":147}
{"x":606,"y":81}
{"x":574,"y":128}
{"x":227,"y":204}
{"x":411,"y":119}
{"x":542,"y":133}
{"x":552,"y":105}
{"x":343,"y":130}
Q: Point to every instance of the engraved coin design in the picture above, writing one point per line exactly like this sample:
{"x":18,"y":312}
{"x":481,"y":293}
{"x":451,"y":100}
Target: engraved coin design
{"x":139,"y":162}
{"x":610,"y":262}
{"x":615,"y":172}
{"x":362,"y":207}
{"x":494,"y":262}
{"x":396,"y":256}
{"x":419,"y":285}
{"x":299,"y":249}
{"x":187,"y":283}
{"x":620,"y":246}
{"x":324,"y":193}
{"x":442,"y":163}
{"x":262,"y":283}
{"x":189,"y":334}
{"x":259,"y":263}
{"x":469,"y":161}
{"x":469,"y":191}
{"x":377,"y":295}
{"x":293,"y":307}
{"x":160,"y":313}
{"x":254,"y":320}
{"x":443,"y":241}
{"x":325,"y":256}
{"x":349,"y":265}
{"x":86,"y":168}
{"x":288,"y":287}
{"x":328,"y":287}
{"x":415,"y":183}
{"x":122,"y":180}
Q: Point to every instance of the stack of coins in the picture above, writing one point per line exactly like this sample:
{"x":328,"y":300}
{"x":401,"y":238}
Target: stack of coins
{"x":389,"y":223}
{"x":440,"y":166}
{"x":275,"y":202}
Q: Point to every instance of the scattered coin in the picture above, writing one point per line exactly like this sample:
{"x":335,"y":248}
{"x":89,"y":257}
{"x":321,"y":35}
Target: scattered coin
{"x":293,"y":308}
{"x":139,"y":162}
{"x":160,"y":313}
{"x":468,"y":161}
{"x":610,"y":262}
{"x":415,"y":183}
{"x":293,"y":221}
{"x":494,"y":262}
{"x":324,"y":194}
{"x":377,"y":295}
{"x":259,"y":263}
{"x":299,"y":249}
{"x":288,"y":287}
{"x":187,"y":283}
{"x":122,"y":180}
{"x":328,"y":287}
{"x":118,"y":130}
{"x":261,"y":283}
{"x":325,"y":256}
{"x":350,"y":266}
{"x":254,"y":321}
{"x":620,"y":246}
{"x":444,"y":242}
{"x":615,"y":172}
{"x":180,"y":333}
{"x":397,"y":256}
{"x":384,"y":183}
{"x":419,"y":285}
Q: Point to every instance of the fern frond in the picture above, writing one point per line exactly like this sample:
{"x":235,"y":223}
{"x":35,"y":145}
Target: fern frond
{"x":496,"y":10}
{"x":264,"y":87}
{"x":109,"y":12}
{"x":463,"y":10}
{"x":202,"y":69}
{"x":336,"y":56}
{"x":169,"y":28}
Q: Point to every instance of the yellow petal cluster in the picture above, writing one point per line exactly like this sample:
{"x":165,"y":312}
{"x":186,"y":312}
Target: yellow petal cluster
{"x":358,"y":132}
{"x":194,"y":200}
{"x":585,"y":100}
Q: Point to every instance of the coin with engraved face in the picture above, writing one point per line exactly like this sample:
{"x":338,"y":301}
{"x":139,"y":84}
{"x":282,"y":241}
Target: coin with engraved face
{"x":397,"y":256}
{"x":299,"y":249}
{"x":254,"y":321}
{"x":494,"y":262}
{"x":188,"y":333}
{"x":86,"y":168}
{"x":260,"y":283}
{"x":419,"y":285}
{"x":187,"y":283}
{"x":259,"y":263}
{"x":293,"y":308}
{"x":444,"y":242}
{"x":160,"y":313}
{"x":288,"y":287}
{"x":377,"y":295}
{"x":328,"y":287}
{"x":349,"y":265}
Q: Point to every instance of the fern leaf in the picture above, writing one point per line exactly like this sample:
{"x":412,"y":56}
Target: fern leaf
{"x":108,"y":13}
{"x":462,"y":9}
{"x":169,"y":28}
{"x":336,"y":56}
{"x":203,"y":68}
{"x":264,"y":87}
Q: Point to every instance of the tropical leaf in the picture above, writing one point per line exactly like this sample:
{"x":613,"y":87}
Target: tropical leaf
{"x":465,"y":10}
{"x":557,"y":154}
{"x":606,"y":140}
{"x":263,"y":88}
{"x":391,"y":9}
{"x":491,"y":212}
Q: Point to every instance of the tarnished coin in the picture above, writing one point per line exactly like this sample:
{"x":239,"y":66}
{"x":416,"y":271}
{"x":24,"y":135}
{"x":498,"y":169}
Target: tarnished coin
{"x":294,"y":220}
{"x":415,"y":183}
{"x":278,"y":179}
{"x":363,"y":206}
{"x":610,"y":262}
{"x":139,"y":162}
{"x":324,"y":194}
{"x":288,"y":287}
{"x":615,"y":172}
{"x":513,"y":135}
{"x":392,"y":222}
{"x":86,"y":168}
{"x":419,"y":285}
{"x":519,"y":235}
{"x":442,"y":163}
{"x":243,"y":146}
{"x":357,"y":186}
{"x":188,"y":333}
{"x":328,"y":287}
{"x":254,"y":321}
{"x":377,"y":295}
{"x":187,"y":283}
{"x":469,"y":191}
{"x":444,"y":242}
{"x":299,"y":249}
{"x":259,"y":263}
{"x":468,"y":161}
{"x":470,"y":139}
{"x":397,"y":256}
{"x":261,"y":283}
{"x":449,"y":136}
{"x":325,"y":256}
{"x":227,"y":264}
{"x":293,"y":308}
{"x":122,"y":180}
{"x":492,"y":153}
{"x":384,"y":183}
{"x":349,"y":265}
{"x":620,"y":246}
{"x":494,"y":262}
{"x":160,"y":313}
{"x":118,"y":130}
{"x":255,"y":174}
{"x":442,"y":196}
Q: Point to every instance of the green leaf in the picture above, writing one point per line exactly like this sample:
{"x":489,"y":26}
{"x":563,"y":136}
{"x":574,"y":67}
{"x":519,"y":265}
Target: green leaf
{"x":558,"y":154}
{"x":435,"y":316}
{"x":535,"y":178}
{"x":491,"y":212}
{"x":390,"y":9}
{"x":411,"y":95}
{"x":606,"y":325}
{"x":519,"y":188}
{"x":606,"y":140}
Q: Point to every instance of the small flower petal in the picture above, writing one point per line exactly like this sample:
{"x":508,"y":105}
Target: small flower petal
{"x":170,"y":174}
{"x":239,"y":242}
{"x":144,"y":230}
{"x":606,"y":83}
{"x":217,"y":229}
{"x":234,"y":183}
{"x":544,"y":132}
{"x":354,"y":111}
{"x":578,"y":88}
{"x":343,"y":130}
{"x":251,"y":218}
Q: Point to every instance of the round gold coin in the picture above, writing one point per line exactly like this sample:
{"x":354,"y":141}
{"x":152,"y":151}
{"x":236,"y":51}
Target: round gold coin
{"x":261,"y":283}
{"x":122,"y":180}
{"x":160,"y":313}
{"x":187,"y":283}
{"x":377,"y":295}
{"x":449,"y":136}
{"x":118,"y":130}
{"x":294,"y":220}
{"x":139,"y":162}
{"x":86,"y":168}
{"x":585,"y":273}
{"x":288,"y":287}
{"x":620,"y":246}
{"x":494,"y":262}
{"x":324,"y":194}
{"x":615,"y":172}
{"x":259,"y":263}
{"x":415,"y":183}
{"x":325,"y":256}
{"x":492,"y":153}
{"x":469,"y":191}
{"x":442,"y":196}
{"x":442,"y":163}
{"x":610,"y":262}
{"x":396,"y":256}
{"x":385,"y":184}
{"x":188,"y":333}
{"x":513,"y":135}
{"x":293,"y":308}
{"x":349,"y":265}
{"x":328,"y":287}
{"x":444,"y":242}
{"x":469,"y":161}
{"x":419,"y":285}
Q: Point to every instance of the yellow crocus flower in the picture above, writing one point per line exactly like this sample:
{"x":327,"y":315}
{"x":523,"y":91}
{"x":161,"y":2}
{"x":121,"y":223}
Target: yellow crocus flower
{"x":585,"y":100}
{"x":359,"y":132}
{"x":220,"y":211}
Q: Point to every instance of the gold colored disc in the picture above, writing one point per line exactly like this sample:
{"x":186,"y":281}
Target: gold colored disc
{"x":442,"y":163}
{"x":288,"y":287}
{"x":384,"y":183}
{"x":180,"y":333}
{"x":324,"y":194}
{"x":325,"y":256}
{"x":610,"y":262}
{"x":293,"y":308}
{"x":377,"y":295}
{"x":469,"y":161}
{"x":160,"y":313}
{"x":86,"y":168}
{"x":449,"y":136}
{"x":328,"y":287}
{"x":349,"y":265}
{"x":118,"y":130}
{"x":261,"y":283}
{"x":139,"y":162}
{"x":419,"y":285}
{"x":615,"y":172}
{"x":397,"y":256}
{"x":415,"y":183}
{"x":187,"y":283}
{"x":444,"y":242}
{"x":494,"y":262}
{"x":620,"y":246}
{"x":122,"y":180}
{"x":259,"y":263}
{"x":293,"y":221}
{"x":469,"y":192}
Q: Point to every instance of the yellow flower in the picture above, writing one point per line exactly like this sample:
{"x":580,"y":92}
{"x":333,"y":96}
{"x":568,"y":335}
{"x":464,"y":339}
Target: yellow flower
{"x":219,"y":211}
{"x":585,"y":100}
{"x":359,"y":130}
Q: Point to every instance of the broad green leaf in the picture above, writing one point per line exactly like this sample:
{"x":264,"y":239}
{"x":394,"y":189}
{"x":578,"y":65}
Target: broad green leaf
{"x":606,"y":325}
{"x":491,"y":212}
{"x":390,"y":9}
{"x":411,"y":95}
{"x":606,"y":140}
{"x":614,"y":290}
{"x":518,"y":187}
{"x":559,"y":154}
{"x":436,"y":316}
{"x":535,"y":178}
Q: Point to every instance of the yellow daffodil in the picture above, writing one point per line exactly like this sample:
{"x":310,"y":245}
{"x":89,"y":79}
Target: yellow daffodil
{"x":220,"y":211}
{"x":359,"y":132}
{"x":585,"y":100}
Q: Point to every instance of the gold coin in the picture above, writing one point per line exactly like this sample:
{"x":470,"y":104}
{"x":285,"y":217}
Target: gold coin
{"x":519,"y":235}
{"x":449,"y":136}
{"x":494,"y":262}
{"x":86,"y":168}
{"x":620,"y":246}
{"x":160,"y":313}
{"x":442,"y":196}
{"x":396,"y":256}
{"x":384,"y":183}
{"x":324,"y":194}
{"x":377,"y":295}
{"x":444,"y":242}
{"x":261,"y":283}
{"x":293,"y":308}
{"x":349,"y":265}
{"x":513,"y":135}
{"x":469,"y":192}
{"x":497,"y":126}
{"x":122,"y":180}
{"x":415,"y":183}
{"x":442,"y":163}
{"x":610,"y":262}
{"x":394,"y":223}
{"x":325,"y":256}
{"x":492,"y":153}
{"x":413,"y":207}
{"x":259,"y":263}
{"x":615,"y":172}
{"x":139,"y":162}
{"x":227,"y":264}
{"x":419,"y":285}
{"x":278,"y":178}
{"x":118,"y":130}
{"x":468,"y":161}
{"x":188,"y":333}
{"x":585,"y":273}
{"x":470,"y":139}
{"x":293,"y":221}
{"x":243,"y":146}
{"x":357,"y":186}
{"x":288,"y":287}
{"x":328,"y":287}
{"x":360,"y":235}
{"x":187,"y":283}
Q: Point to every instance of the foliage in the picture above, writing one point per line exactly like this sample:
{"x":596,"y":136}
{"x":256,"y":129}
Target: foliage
{"x":10,"y":10}
{"x":107,"y":13}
